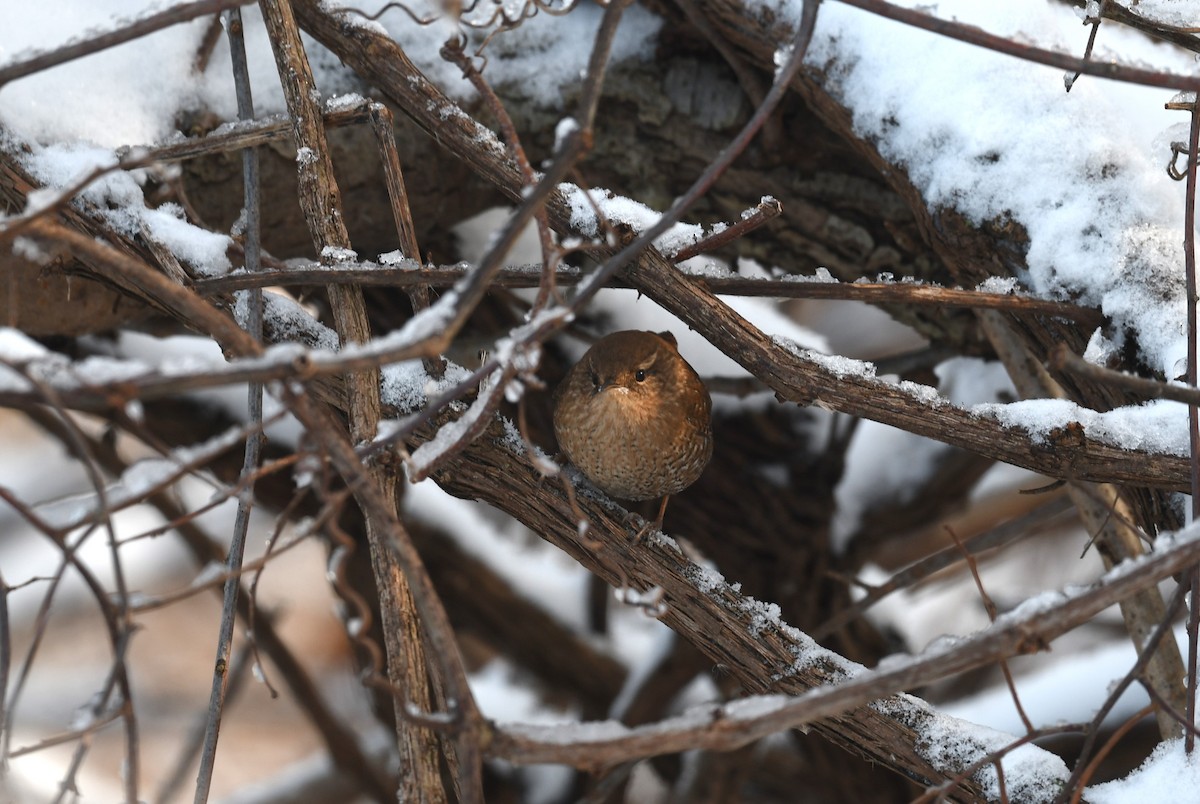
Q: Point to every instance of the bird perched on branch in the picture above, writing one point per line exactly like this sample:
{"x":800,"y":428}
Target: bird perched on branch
{"x":635,"y":418}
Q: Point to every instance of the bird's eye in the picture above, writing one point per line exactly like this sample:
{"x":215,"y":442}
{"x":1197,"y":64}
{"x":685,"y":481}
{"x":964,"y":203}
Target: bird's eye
{"x":595,"y":379}
{"x":640,"y":375}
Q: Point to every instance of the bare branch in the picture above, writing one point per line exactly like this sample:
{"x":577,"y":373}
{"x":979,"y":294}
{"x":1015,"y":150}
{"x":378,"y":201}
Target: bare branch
{"x":1051,"y":58}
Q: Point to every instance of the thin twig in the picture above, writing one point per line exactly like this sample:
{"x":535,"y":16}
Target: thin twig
{"x":1115,"y":691}
{"x":196,"y":738}
{"x":383,"y":127}
{"x":1157,"y":699}
{"x":5,"y":668}
{"x":94,"y":725}
{"x":38,"y":633}
{"x":454,"y":52}
{"x":235,"y":137}
{"x":1051,"y":58}
{"x":117,"y":677}
{"x":1109,"y":745}
{"x":1000,"y":536}
{"x":1193,"y":379}
{"x":1061,"y":357}
{"x":208,"y":43}
{"x":118,"y":615}
{"x":254,"y":441}
{"x":990,"y":607}
{"x":340,"y":740}
{"x":410,"y":273}
{"x":768,"y":209}
{"x":1091,"y":42}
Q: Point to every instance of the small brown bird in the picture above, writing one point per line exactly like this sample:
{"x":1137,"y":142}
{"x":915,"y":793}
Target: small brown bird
{"x":635,"y":417}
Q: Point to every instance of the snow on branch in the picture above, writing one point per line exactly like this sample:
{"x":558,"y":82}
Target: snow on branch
{"x":1029,"y":628}
{"x":749,"y":638}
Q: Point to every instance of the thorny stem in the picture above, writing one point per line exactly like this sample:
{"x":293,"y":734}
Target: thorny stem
{"x":254,"y":440}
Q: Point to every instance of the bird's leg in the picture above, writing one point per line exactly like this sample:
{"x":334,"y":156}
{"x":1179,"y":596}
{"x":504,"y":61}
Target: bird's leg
{"x":650,"y":527}
{"x":662,"y":511}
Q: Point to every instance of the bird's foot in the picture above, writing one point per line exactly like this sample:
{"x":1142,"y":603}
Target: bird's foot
{"x":645,"y":528}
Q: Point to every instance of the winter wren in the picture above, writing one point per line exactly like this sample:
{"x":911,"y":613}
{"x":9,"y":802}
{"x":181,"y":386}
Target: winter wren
{"x":635,"y":418}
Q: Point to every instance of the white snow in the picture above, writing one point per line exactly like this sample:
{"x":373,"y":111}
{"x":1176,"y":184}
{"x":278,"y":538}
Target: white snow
{"x":122,"y":96}
{"x":447,"y":437}
{"x":1165,"y":776}
{"x":1082,"y":172}
{"x":821,"y":276}
{"x":1030,"y":773}
{"x":17,"y":347}
{"x":619,"y":211}
{"x":333,"y":254}
{"x":1157,"y":426}
{"x":291,"y":322}
{"x":202,"y":250}
{"x":1178,"y":13}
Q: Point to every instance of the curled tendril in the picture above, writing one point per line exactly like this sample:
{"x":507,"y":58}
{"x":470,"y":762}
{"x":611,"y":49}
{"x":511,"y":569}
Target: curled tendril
{"x":1178,"y":149}
{"x":502,"y":18}
{"x":385,"y":9}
